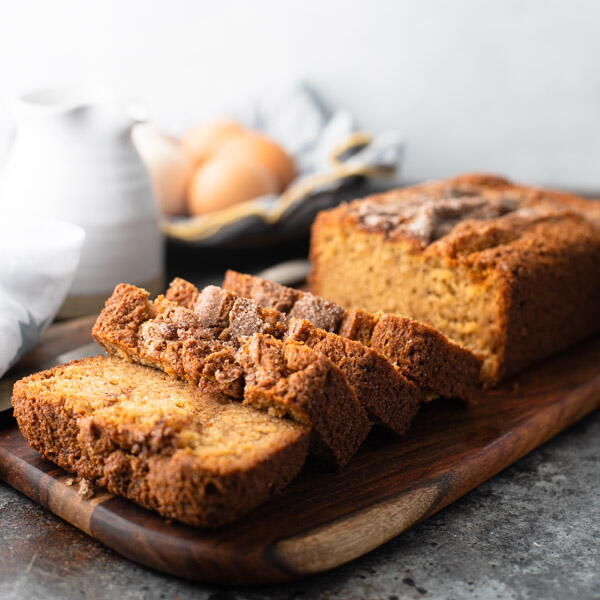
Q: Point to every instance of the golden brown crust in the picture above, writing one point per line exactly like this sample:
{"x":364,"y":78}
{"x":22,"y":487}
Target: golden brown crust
{"x":267,"y":294}
{"x":193,"y":346}
{"x":126,"y":309}
{"x":422,"y":354}
{"x":385,"y":393}
{"x":182,"y":292}
{"x":88,"y":418}
{"x":294,"y":303}
{"x":390,"y":398}
{"x":478,"y":182}
{"x":358,"y":325}
{"x":168,"y":337}
{"x":478,"y":238}
{"x":427,"y":356}
{"x":523,"y":283}
{"x":302,"y":384}
{"x":550,"y":291}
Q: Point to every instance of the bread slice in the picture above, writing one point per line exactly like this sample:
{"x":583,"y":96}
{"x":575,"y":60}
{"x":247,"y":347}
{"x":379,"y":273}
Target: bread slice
{"x":172,"y":338}
{"x":389,"y":398}
{"x":423,"y":354}
{"x":298,"y":383}
{"x":189,"y":454}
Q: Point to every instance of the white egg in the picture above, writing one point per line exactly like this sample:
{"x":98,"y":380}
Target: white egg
{"x":169,"y":164}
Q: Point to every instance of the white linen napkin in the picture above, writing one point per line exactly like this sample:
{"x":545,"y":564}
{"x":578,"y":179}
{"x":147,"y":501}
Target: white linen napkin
{"x":38,"y":259}
{"x":295,"y":116}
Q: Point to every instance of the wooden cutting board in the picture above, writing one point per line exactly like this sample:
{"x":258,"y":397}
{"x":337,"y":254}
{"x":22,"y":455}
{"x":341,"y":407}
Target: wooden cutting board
{"x":323,"y":520}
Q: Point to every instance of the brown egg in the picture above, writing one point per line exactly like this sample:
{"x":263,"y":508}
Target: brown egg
{"x":203,"y":140}
{"x":226,"y":180}
{"x":263,"y":150}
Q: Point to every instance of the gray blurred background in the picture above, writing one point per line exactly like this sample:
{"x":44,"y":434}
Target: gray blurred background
{"x":506,"y":86}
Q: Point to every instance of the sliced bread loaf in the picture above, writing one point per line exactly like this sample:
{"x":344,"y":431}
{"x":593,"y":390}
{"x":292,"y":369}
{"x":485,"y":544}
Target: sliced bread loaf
{"x":172,"y":338}
{"x":423,"y":354}
{"x":389,"y":398}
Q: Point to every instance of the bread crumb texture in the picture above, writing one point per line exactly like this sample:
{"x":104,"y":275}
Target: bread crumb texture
{"x":191,"y":454}
{"x":422,"y":354}
{"x":510,"y":272}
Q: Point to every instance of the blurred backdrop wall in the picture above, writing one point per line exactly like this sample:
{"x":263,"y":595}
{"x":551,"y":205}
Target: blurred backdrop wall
{"x":504,"y":86}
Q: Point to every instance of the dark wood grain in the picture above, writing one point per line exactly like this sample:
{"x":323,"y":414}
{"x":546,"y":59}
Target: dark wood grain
{"x":322,"y":519}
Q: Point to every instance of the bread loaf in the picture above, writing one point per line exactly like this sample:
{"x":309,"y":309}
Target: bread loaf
{"x":510,"y":272}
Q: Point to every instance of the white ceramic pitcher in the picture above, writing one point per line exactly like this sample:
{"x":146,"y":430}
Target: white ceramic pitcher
{"x":73,"y":159}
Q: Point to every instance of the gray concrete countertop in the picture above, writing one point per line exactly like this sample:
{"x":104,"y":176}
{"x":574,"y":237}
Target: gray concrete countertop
{"x":531,"y":532}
